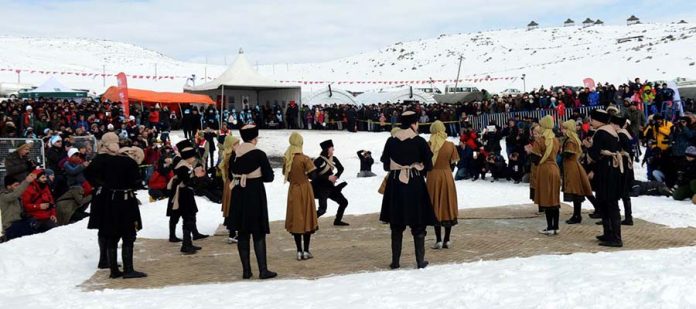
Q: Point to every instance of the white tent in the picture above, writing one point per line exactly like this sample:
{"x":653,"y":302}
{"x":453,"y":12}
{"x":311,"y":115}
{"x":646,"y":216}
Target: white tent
{"x":54,"y":89}
{"x":328,"y":95}
{"x":242,"y":84}
{"x":393,"y":96}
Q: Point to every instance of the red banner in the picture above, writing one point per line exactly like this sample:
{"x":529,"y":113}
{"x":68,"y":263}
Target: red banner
{"x":123,"y":92}
{"x":589,"y":83}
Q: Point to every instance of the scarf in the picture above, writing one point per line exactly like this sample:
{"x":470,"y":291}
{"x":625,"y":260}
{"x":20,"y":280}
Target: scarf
{"x":294,"y":148}
{"x":438,"y":137}
{"x":227,"y":150}
{"x":546,"y":124}
{"x":570,"y":133}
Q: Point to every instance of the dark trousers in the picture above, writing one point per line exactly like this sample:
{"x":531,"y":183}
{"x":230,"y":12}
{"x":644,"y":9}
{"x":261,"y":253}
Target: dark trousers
{"x":157,"y":194}
{"x":19,"y":228}
{"x":45,"y":225}
{"x":611,"y":219}
{"x":335,"y":196}
{"x":416,"y":230}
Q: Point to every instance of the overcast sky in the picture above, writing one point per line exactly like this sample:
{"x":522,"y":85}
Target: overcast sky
{"x":303,"y":30}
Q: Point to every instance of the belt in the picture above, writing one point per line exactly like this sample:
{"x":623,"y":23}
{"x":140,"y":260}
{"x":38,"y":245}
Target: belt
{"x":241,"y":179}
{"x":405,"y":170}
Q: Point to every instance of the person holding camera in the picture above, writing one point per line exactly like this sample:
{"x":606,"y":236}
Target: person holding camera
{"x":38,"y":202}
{"x":366,"y":162}
{"x":659,"y":129}
{"x":15,"y":222}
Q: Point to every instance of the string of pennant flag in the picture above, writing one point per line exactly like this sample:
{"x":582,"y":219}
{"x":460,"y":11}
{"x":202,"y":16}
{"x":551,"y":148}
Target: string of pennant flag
{"x":89,"y":74}
{"x":401,"y":82}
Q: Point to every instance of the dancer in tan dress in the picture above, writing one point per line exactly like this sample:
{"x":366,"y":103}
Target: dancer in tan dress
{"x":440,"y":183}
{"x":576,"y":184}
{"x":227,"y":153}
{"x":301,"y":215}
{"x":547,"y":191}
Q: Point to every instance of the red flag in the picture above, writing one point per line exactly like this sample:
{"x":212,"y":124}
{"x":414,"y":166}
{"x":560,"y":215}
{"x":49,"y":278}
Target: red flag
{"x":589,"y":83}
{"x":123,"y":92}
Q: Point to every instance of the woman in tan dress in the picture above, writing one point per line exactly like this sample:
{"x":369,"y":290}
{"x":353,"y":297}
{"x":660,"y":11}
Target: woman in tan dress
{"x":576,"y":185}
{"x":548,"y":185}
{"x":227,"y":151}
{"x":301,"y":215}
{"x":535,"y":132}
{"x":440,"y":183}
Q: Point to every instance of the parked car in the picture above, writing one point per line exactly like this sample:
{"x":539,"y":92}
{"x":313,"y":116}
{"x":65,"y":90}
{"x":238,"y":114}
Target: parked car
{"x":510,"y":92}
{"x":459,"y":94}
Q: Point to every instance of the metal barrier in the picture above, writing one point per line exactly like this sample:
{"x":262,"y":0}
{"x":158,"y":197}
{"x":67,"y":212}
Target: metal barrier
{"x":9,"y":145}
{"x":481,"y":121}
{"x":89,"y":141}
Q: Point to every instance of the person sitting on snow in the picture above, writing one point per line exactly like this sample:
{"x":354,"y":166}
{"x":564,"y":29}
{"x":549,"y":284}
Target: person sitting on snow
{"x":38,"y":202}
{"x":686,"y":177}
{"x":366,"y":162}
{"x":15,"y":222}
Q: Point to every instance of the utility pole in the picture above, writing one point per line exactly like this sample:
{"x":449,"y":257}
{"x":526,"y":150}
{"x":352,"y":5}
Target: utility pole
{"x":524,"y":82}
{"x":456,"y":82}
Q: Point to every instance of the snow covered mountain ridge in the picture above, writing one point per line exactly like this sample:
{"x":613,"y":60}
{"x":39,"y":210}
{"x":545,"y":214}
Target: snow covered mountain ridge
{"x":494,"y":60}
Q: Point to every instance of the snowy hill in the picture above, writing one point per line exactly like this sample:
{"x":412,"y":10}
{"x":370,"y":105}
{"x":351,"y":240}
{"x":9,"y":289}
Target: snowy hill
{"x":79,"y":63}
{"x":547,"y":56}
{"x":563,"y":55}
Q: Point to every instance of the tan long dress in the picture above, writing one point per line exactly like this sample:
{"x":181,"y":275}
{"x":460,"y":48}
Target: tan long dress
{"x":576,"y":184}
{"x":301,"y":214}
{"x":547,"y":186}
{"x":440,"y":183}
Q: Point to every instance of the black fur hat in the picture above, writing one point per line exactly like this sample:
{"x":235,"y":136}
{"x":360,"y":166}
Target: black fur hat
{"x":186,"y":149}
{"x":249,"y":132}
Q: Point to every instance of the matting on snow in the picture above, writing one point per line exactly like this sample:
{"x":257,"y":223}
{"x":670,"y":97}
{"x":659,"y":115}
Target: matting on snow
{"x":482,"y":234}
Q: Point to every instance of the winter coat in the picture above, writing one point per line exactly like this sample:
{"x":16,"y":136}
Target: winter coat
{"x":365,"y":162}
{"x":35,"y":195}
{"x":681,"y":138}
{"x":17,"y":166}
{"x":660,"y":134}
{"x":248,"y":205}
{"x":74,"y":172}
{"x":637,"y":119}
{"x":159,"y":181}
{"x":53,"y":157}
{"x":10,"y":205}
{"x":69,"y":202}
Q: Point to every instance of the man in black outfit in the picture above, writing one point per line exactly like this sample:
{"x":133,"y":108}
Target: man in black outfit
{"x":249,"y":168}
{"x":407,"y":157}
{"x":324,"y":184}
{"x":607,"y":179}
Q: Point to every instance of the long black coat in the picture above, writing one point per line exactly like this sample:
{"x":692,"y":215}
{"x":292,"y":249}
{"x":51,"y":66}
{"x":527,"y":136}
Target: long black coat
{"x":113,"y":212}
{"x":249,"y":207}
{"x":607,"y":181}
{"x":628,"y":175}
{"x":321,"y":185}
{"x":187,"y":200}
{"x":407,"y":204}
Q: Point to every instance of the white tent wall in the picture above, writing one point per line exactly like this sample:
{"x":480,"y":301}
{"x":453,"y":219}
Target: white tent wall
{"x":235,"y":97}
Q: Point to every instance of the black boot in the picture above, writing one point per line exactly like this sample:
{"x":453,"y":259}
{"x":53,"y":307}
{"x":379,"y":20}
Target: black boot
{"x":103,"y":260}
{"x":244,"y":248}
{"x":112,"y":258}
{"x":628,"y":213}
{"x":577,"y":211}
{"x":187,"y":245}
{"x":172,"y":232}
{"x":128,"y":271}
{"x":260,"y":251}
{"x":419,"y":244}
{"x":339,"y":216}
{"x":197,"y":235}
{"x":396,"y":240}
{"x":574,"y":220}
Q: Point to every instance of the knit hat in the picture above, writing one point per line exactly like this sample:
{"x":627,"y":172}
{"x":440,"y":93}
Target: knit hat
{"x":110,"y":127}
{"x":46,"y":130}
{"x":29,"y":107}
{"x":249,"y":132}
{"x":690,"y":151}
{"x":48,"y":172}
{"x":72,"y":151}
{"x":55,"y":139}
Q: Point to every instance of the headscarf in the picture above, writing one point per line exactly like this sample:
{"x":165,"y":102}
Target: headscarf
{"x":296,"y":142}
{"x":546,"y":124}
{"x":571,"y":131}
{"x":109,"y":144}
{"x":227,"y":149}
{"x":438,"y":137}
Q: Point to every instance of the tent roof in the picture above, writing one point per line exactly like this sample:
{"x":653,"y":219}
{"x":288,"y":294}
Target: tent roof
{"x":149,"y":96}
{"x":533,"y":23}
{"x":320,"y":97}
{"x":393,"y":96}
{"x":240,"y":74}
{"x":52,"y":85}
{"x":632,"y":18}
{"x":588,"y":21}
{"x":568,"y":21}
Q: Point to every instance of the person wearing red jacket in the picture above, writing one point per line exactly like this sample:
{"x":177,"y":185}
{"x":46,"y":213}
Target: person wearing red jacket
{"x":154,"y":117}
{"x":157,"y":185}
{"x":38,"y":202}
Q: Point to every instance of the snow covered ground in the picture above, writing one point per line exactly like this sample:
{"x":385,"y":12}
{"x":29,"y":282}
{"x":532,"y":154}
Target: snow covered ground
{"x":44,"y":270}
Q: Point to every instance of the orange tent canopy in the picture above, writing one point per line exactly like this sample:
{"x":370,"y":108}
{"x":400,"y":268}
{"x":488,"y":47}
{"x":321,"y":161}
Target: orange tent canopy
{"x":148,"y":96}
